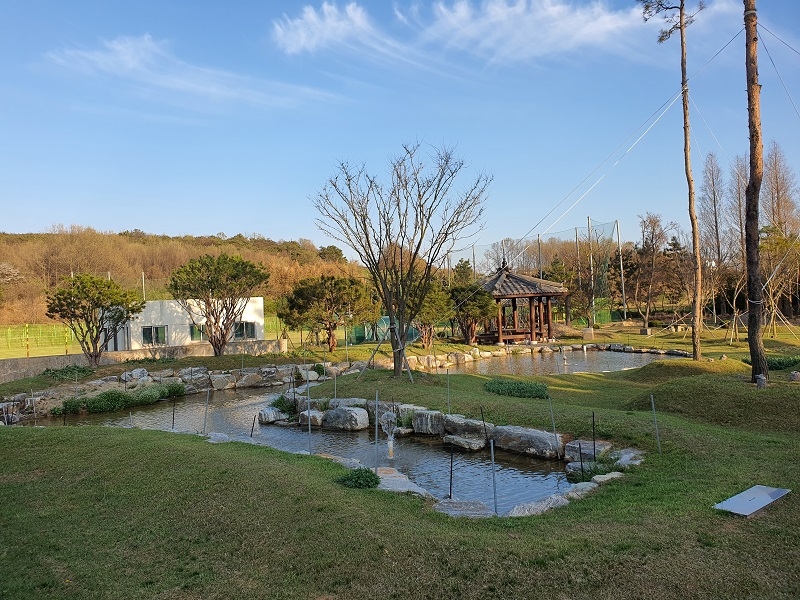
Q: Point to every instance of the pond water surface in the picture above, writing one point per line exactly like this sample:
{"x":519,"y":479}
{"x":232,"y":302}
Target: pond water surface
{"x":425,"y":460}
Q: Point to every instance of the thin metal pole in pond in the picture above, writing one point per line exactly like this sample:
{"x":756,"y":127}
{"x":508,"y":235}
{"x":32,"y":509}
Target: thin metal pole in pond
{"x":308,"y":409}
{"x":253,"y":428}
{"x":580,"y":454}
{"x":205,"y":416}
{"x":491,"y":453}
{"x":173,"y":414}
{"x":494,"y":481}
{"x":451,"y":472}
{"x":553,"y":421}
{"x":334,"y":383}
{"x":64,"y":412}
{"x":594,"y":440}
{"x":655,"y":422}
{"x":376,"y":432}
{"x":448,"y":390}
{"x":130,"y":416}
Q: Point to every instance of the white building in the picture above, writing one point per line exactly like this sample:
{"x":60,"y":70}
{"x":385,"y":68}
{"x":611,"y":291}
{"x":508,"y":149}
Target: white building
{"x":166,"y":323}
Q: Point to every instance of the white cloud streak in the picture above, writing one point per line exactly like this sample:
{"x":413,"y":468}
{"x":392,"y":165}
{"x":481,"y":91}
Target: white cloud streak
{"x":494,"y":31}
{"x":150,"y":64}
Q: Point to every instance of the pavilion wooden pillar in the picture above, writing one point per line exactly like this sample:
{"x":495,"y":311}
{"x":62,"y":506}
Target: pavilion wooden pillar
{"x":531,"y":319}
{"x":499,"y":321}
{"x":515,"y":312}
{"x":540,"y":315}
{"x":549,"y":310}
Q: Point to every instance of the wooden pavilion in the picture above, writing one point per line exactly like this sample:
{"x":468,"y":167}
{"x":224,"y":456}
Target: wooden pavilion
{"x":508,"y":289}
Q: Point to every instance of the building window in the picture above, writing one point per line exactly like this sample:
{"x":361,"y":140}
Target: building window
{"x":244,"y":331}
{"x":197,"y":333}
{"x":154,"y":336}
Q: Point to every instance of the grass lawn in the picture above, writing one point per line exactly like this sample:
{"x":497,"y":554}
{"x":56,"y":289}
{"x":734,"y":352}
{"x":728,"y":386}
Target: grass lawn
{"x":123,"y":513}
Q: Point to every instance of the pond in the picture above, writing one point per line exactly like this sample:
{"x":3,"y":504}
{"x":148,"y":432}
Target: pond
{"x":559,"y":363}
{"x":425,"y":460}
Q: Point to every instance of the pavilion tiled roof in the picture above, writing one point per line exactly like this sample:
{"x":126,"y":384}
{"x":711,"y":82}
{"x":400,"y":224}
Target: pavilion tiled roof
{"x":506,"y":284}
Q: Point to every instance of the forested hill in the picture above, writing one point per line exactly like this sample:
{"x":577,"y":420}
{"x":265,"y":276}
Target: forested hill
{"x":32,"y":263}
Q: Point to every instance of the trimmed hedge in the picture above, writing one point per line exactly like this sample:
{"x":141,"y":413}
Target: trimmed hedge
{"x":517,"y":389}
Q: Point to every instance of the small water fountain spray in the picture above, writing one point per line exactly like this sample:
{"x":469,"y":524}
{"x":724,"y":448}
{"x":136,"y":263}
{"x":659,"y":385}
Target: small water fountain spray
{"x":388,"y":422}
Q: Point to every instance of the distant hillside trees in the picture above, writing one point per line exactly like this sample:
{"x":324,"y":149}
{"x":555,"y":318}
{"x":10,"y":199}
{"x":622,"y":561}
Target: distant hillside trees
{"x":94,"y":308}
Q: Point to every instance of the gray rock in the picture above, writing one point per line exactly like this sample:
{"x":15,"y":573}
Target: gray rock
{"x":588,"y":468}
{"x":794,"y":376}
{"x":393,"y":480}
{"x":428,"y":422}
{"x":270,"y":414}
{"x":163,"y":373}
{"x":540,"y":506}
{"x":529,"y":441}
{"x":249,"y":380}
{"x":471,"y":443}
{"x":586,"y":449}
{"x":167,"y":380}
{"x":616,"y":348}
{"x":471,"y":509}
{"x":347,"y":418}
{"x":223,"y":381}
{"x":606,"y":477}
{"x":627,"y":457}
{"x":337,"y":402}
{"x":459,"y":358}
{"x":459,"y":425}
{"x":579,"y":490}
{"x":316,"y":417}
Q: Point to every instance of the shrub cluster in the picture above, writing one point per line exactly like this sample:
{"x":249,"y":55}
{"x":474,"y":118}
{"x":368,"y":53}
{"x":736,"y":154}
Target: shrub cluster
{"x":69,"y":373}
{"x":359,"y":478}
{"x":777,"y":363}
{"x":517,"y":389}
{"x":283,"y":404}
{"x":111,"y":400}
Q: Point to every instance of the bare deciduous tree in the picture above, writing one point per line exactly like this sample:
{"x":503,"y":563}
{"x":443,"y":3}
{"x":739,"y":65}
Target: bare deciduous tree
{"x":402,"y":231}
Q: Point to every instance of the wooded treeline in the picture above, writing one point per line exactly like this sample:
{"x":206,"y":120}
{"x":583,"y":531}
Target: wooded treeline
{"x":33,"y":263}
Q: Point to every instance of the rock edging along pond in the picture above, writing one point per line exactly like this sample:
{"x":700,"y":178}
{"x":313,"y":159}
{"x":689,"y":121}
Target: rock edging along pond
{"x":594,"y":460}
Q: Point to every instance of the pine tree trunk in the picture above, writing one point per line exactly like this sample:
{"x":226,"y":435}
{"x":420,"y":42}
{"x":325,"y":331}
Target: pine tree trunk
{"x":755,"y":300}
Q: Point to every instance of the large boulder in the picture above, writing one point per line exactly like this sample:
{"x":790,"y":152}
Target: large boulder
{"x":270,"y":414}
{"x":587,"y":448}
{"x":473,"y":443}
{"x":197,"y":376}
{"x":428,"y":422}
{"x":316,"y":417}
{"x":540,"y":506}
{"x":249,"y":380}
{"x":529,"y":441}
{"x":222,"y":381}
{"x":348,"y":418}
{"x":359,"y":402}
{"x":460,"y":425}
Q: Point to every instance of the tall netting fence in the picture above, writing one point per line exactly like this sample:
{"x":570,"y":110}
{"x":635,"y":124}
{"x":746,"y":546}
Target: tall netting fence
{"x":585,"y":259}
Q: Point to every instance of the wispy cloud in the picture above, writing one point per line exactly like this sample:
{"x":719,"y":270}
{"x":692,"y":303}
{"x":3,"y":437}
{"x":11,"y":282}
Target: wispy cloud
{"x":494,"y":31}
{"x":348,"y":29}
{"x":150,"y":64}
{"x":499,"y":31}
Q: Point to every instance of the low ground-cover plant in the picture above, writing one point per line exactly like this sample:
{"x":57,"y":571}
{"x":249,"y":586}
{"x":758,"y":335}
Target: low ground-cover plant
{"x":359,"y":478}
{"x":112,"y":400}
{"x":69,"y":373}
{"x":285,"y":405}
{"x":778,"y":363}
{"x":517,"y":389}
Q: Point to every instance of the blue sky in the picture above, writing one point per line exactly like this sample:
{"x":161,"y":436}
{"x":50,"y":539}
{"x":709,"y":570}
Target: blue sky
{"x":184,"y":117}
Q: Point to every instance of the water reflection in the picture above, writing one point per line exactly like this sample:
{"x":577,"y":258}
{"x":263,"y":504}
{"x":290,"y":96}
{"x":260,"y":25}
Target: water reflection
{"x":558,"y":363}
{"x":425,"y":460}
